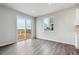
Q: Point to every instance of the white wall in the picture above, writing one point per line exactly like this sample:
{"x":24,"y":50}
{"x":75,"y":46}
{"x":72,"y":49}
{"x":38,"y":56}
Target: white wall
{"x":76,"y":28}
{"x":34,"y":28}
{"x":8,"y":25}
{"x":63,"y":27}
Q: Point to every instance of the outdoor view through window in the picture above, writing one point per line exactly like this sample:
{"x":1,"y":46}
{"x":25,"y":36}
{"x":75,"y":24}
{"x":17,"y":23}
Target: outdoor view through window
{"x":23,"y":28}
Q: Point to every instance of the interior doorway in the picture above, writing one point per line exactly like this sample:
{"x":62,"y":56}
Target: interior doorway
{"x":24,"y":28}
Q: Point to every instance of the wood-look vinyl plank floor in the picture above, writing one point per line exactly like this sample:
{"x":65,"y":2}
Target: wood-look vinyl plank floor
{"x":38,"y":47}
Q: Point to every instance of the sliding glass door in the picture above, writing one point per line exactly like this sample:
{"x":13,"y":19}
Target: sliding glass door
{"x":24,"y":27}
{"x":28,"y":28}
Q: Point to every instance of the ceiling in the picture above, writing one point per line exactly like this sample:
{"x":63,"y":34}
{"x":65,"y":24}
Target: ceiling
{"x":38,"y":9}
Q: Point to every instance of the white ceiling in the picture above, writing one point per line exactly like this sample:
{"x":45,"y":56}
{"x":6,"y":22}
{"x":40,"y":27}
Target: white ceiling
{"x":38,"y":9}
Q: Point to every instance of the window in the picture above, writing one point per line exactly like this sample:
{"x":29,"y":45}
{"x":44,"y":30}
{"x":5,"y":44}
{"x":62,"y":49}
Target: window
{"x":20,"y":22}
{"x":23,"y":28}
{"x":47,"y":24}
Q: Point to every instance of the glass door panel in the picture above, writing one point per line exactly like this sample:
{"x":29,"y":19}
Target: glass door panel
{"x":28,"y":28}
{"x":21,"y":29}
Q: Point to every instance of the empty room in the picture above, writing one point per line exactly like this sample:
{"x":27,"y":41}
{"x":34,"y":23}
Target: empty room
{"x":39,"y":28}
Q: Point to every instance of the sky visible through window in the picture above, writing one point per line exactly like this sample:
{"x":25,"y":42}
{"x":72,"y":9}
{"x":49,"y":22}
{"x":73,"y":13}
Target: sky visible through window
{"x":46,"y":22}
{"x":23,"y":23}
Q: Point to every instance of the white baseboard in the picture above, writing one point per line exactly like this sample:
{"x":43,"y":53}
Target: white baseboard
{"x":57,"y":41}
{"x":6,"y":43}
